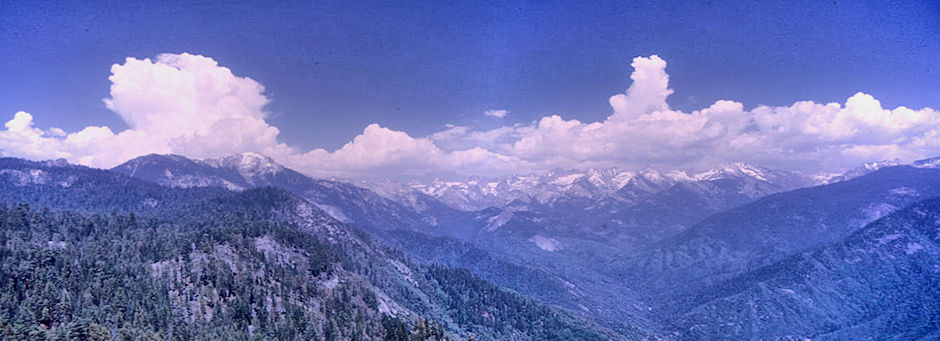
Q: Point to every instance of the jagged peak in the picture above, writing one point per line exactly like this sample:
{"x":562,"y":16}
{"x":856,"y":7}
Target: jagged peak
{"x":650,"y":173}
{"x":735,"y":169}
{"x":678,"y":175}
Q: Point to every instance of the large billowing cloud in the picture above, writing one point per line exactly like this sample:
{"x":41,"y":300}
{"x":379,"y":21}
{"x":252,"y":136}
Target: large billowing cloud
{"x":188,"y":104}
{"x":185,"y":104}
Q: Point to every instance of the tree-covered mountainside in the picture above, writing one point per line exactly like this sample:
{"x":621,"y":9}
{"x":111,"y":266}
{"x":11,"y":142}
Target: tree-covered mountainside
{"x":636,"y":260}
{"x":747,"y":237}
{"x":87,"y":253}
{"x":114,"y":257}
{"x":882,"y":282}
{"x":103,"y":276}
{"x":426,"y":229}
{"x":63,"y":186}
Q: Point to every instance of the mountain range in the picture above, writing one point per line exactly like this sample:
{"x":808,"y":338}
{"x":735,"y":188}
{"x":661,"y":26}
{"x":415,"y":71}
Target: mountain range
{"x":131,"y":259}
{"x":737,"y":252}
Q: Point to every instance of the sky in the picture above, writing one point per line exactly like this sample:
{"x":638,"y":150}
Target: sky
{"x":395,"y":89}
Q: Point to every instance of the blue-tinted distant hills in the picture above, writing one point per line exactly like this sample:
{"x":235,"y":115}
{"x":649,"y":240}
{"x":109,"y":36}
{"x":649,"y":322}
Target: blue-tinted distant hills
{"x":643,"y":252}
{"x":771,"y":228}
{"x":880,"y":282}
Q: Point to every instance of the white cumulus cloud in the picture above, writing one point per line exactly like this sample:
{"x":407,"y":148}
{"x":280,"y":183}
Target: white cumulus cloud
{"x":190,"y":105}
{"x":643,"y":130}
{"x":178,"y":103}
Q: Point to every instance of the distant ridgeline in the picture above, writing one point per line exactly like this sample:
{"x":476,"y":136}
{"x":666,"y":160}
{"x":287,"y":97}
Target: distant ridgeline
{"x":92,"y":254}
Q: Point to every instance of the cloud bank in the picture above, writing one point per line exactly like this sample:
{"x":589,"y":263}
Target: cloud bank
{"x":190,"y":105}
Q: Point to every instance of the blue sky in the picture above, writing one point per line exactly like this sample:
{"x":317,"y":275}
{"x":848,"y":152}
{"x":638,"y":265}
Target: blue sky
{"x":330,"y":70}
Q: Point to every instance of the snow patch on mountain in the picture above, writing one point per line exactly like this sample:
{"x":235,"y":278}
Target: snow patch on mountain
{"x":249,"y":165}
{"x":545,"y":243}
{"x":621,"y":179}
{"x":334,"y":212}
{"x":26,"y":177}
{"x":737,"y":169}
{"x":495,"y":222}
{"x":404,"y":270}
{"x":566,"y":180}
{"x":907,"y":191}
{"x":888,"y":238}
{"x":912,"y":248}
{"x":828,"y":178}
{"x":876,"y":211}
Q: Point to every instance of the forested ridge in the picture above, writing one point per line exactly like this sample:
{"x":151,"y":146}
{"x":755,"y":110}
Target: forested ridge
{"x":67,"y":275}
{"x":121,"y":259}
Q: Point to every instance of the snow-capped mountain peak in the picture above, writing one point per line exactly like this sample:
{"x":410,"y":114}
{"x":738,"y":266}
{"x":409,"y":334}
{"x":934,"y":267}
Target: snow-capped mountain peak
{"x":566,"y":180}
{"x":651,"y":174}
{"x":734,"y":170}
{"x":249,"y":165}
{"x":869,"y":167}
{"x":678,"y":176}
{"x":622,"y":178}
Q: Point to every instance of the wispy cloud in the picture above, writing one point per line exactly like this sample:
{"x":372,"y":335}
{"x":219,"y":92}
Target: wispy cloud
{"x":498,"y":113}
